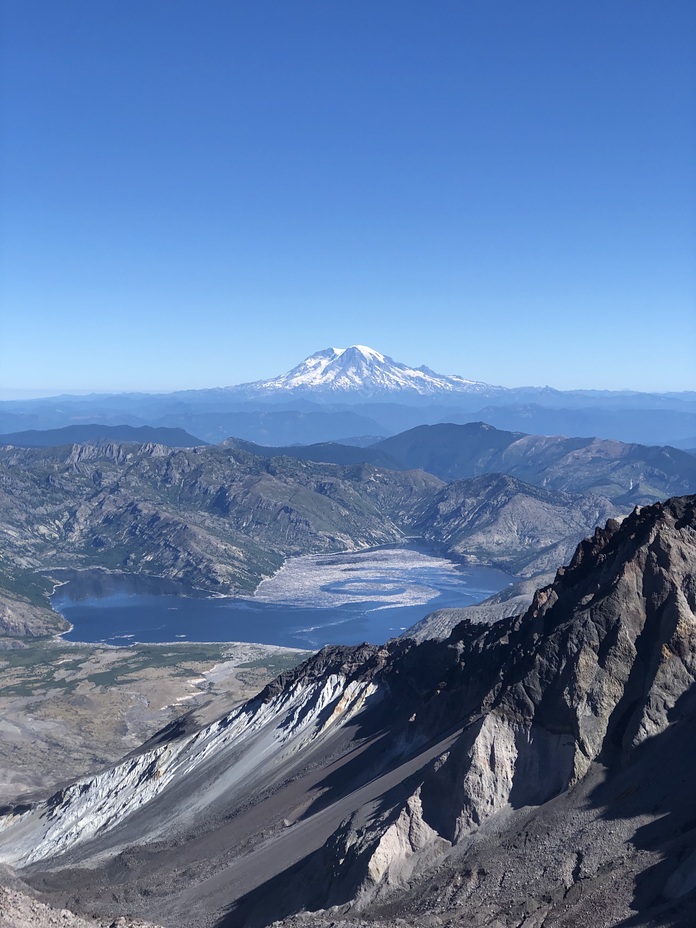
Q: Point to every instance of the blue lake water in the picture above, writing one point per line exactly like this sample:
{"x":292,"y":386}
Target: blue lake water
{"x":337,"y":599}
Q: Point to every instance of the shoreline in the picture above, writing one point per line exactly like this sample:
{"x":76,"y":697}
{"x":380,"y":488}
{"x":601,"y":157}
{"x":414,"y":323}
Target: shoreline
{"x":58,"y":639}
{"x":353,"y":585}
{"x":409,"y":542}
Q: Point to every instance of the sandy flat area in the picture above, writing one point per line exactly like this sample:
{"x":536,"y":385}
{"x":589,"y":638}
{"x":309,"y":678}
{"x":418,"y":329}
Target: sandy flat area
{"x":393,"y":576}
{"x":69,"y":710}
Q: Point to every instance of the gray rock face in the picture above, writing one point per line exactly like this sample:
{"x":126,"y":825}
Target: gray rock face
{"x":522,"y":773}
{"x":510,"y":601}
{"x":594,"y":668}
{"x":501,"y":520}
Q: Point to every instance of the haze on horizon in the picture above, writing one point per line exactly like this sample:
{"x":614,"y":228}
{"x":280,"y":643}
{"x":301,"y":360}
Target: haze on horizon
{"x":46,"y":394}
{"x":200,"y":196}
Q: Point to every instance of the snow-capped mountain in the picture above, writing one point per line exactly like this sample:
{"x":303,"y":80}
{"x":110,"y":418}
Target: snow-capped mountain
{"x":361,"y":371}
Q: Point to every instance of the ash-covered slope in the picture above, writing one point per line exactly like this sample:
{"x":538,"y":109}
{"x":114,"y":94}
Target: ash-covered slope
{"x":524,"y":773}
{"x":21,"y":910}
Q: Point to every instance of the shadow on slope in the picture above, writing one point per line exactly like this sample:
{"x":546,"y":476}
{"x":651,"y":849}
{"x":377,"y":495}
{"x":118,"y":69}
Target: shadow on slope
{"x":318,"y":880}
{"x":658,"y":785}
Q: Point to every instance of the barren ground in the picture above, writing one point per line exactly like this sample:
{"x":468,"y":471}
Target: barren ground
{"x":69,"y":710}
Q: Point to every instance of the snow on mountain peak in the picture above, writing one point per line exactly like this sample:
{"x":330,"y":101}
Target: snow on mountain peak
{"x":360,"y":370}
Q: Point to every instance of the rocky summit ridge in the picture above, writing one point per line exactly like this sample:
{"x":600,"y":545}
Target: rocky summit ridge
{"x":537,"y":771}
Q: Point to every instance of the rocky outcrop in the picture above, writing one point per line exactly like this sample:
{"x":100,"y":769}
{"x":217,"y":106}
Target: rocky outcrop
{"x":21,"y":910}
{"x":511,"y":601}
{"x":597,"y":665}
{"x":23,"y":619}
{"x":352,"y":779}
{"x":496,"y":519}
{"x":25,"y":610}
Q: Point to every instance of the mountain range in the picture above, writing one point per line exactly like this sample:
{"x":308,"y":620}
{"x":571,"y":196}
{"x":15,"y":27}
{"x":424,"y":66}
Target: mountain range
{"x":222,"y":518}
{"x":536,"y":771}
{"x":360,"y":372}
{"x":358,"y":392}
{"x":626,"y":473}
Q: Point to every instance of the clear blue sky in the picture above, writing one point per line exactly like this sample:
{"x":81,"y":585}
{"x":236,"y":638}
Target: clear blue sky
{"x":202,"y":192}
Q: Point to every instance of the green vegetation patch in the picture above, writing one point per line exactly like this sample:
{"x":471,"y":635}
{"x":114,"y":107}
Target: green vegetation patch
{"x":38,"y":668}
{"x":277,"y":663}
{"x":24,"y":583}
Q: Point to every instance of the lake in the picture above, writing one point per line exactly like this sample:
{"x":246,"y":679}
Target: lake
{"x":314,"y":600}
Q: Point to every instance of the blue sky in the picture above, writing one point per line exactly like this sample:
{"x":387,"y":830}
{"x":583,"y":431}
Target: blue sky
{"x":203,"y":193}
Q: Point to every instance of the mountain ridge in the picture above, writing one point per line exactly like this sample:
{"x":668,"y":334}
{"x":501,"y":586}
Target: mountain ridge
{"x":337,"y":394}
{"x":508,"y":772}
{"x":222,"y":519}
{"x":629,"y":473}
{"x":96,"y":432}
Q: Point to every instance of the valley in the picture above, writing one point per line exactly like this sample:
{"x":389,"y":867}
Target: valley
{"x":352,"y":395}
{"x":313,"y":600}
{"x":224,"y":518}
{"x":345,"y":683}
{"x":410,"y":781}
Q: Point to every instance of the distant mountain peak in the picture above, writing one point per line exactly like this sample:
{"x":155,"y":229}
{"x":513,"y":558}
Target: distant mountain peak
{"x":361,"y":371}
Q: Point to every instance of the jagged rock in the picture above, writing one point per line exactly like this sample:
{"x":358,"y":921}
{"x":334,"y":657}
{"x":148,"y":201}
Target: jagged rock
{"x":510,"y":601}
{"x":20,"y":910}
{"x":522,"y":773}
{"x":593,"y":668}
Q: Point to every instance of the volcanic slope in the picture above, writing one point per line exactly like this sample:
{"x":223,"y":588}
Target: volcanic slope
{"x":536,"y":771}
{"x":361,"y":372}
